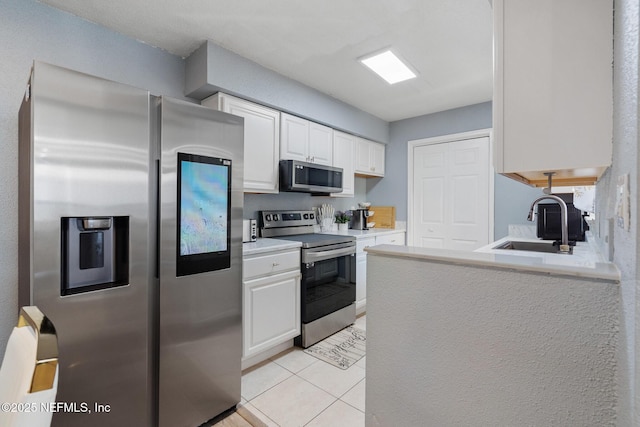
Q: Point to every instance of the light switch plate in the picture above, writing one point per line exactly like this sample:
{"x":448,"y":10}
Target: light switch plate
{"x":622,"y":202}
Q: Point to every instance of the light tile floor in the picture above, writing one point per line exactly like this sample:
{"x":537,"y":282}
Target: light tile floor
{"x":296,"y":389}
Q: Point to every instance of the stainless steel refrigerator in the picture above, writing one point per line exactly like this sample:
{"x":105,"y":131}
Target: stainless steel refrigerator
{"x":130,"y":225}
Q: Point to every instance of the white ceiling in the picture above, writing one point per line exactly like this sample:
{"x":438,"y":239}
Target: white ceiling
{"x":449,"y":43}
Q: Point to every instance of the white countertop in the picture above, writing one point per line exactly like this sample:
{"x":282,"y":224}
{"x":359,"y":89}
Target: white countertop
{"x":586,"y":261}
{"x":268,"y":245}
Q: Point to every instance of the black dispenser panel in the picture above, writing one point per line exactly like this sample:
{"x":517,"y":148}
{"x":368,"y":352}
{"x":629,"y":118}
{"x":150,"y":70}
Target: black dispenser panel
{"x":95,"y":253}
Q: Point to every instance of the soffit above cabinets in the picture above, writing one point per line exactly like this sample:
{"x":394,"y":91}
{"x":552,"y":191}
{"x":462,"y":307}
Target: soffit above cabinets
{"x":449,"y":43}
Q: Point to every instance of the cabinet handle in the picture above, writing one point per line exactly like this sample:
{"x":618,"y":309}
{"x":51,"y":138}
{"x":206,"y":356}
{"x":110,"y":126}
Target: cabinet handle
{"x":275,"y":264}
{"x":313,"y":159}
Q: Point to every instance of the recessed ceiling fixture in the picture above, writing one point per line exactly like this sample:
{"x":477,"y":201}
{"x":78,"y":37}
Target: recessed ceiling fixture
{"x":388,"y":66}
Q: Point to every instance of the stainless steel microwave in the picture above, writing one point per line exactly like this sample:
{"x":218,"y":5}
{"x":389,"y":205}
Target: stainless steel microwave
{"x":309,"y":177}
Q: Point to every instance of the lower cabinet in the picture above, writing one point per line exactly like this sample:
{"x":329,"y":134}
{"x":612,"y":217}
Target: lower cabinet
{"x":361,"y":263}
{"x":270,"y":301}
{"x":361,"y":272}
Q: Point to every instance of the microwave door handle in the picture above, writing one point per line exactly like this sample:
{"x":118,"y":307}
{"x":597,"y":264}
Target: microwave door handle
{"x":310,"y":256}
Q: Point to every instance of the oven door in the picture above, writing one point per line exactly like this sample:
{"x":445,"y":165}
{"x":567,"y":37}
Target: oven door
{"x":328,"y":280}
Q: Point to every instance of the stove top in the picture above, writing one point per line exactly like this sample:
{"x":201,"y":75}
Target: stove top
{"x":297,"y":226}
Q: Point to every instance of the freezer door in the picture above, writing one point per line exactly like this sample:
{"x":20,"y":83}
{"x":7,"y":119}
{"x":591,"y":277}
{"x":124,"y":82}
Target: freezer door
{"x":84,"y":154}
{"x":200,"y":324}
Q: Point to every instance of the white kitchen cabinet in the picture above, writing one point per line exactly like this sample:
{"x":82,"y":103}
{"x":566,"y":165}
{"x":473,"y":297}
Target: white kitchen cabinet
{"x":361,"y":272}
{"x":552,"y":103}
{"x":303,"y":140}
{"x":391,"y":239}
{"x":369,"y":158}
{"x":344,"y":148}
{"x":261,"y":141}
{"x":361,"y":262}
{"x":270,"y":300}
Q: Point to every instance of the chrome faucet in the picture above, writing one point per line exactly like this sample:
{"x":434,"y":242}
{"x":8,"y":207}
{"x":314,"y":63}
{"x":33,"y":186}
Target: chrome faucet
{"x":564,"y":244}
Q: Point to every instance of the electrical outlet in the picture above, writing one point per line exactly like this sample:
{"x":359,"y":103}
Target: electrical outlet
{"x":609,"y":241}
{"x":622,"y":202}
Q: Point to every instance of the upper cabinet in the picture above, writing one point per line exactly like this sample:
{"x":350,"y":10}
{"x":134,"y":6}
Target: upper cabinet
{"x":304,"y":140}
{"x":552,"y":103}
{"x":369,"y":158}
{"x":261,"y":141}
{"x":344,"y":151}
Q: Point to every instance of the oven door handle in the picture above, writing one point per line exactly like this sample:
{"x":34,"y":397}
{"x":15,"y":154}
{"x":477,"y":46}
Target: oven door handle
{"x":310,"y":256}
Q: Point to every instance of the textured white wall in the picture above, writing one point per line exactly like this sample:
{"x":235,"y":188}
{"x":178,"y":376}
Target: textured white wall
{"x":453,"y":345}
{"x":626,"y":242}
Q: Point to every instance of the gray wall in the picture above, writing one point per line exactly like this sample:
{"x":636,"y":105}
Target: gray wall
{"x":212,"y":68}
{"x":625,"y":241}
{"x":512,"y":199}
{"x":283,"y":201}
{"x":30,"y":30}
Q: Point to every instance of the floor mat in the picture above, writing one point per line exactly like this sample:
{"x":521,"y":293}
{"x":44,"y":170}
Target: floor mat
{"x":342,"y":349}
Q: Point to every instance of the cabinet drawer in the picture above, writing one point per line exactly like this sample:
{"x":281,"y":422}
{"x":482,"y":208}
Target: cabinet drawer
{"x":390,"y":239}
{"x":271,"y":263}
{"x":364,"y":243}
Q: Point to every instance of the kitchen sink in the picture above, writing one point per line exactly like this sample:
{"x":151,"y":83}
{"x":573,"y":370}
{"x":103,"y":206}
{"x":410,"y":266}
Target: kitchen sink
{"x":516,"y":245}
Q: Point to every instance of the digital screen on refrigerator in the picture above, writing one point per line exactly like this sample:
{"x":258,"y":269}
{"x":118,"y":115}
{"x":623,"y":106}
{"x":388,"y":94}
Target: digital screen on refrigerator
{"x":204,"y":208}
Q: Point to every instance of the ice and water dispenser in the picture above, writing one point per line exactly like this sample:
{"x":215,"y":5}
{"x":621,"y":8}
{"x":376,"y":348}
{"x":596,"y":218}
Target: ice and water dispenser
{"x":95,"y":253}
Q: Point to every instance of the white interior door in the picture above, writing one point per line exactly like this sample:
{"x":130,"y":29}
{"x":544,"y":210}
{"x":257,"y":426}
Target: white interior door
{"x":451,"y":198}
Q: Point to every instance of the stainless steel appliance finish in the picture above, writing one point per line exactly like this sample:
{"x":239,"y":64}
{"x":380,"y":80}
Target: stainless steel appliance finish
{"x":200,"y":314}
{"x":310,"y":177}
{"x":84,"y":151}
{"x":158,"y":349}
{"x":328,"y":273}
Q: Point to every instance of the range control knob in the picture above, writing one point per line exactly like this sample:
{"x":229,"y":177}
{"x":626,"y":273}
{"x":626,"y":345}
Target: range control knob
{"x":275,"y":217}
{"x":312,"y":216}
{"x":267,"y":217}
{"x":305,"y":216}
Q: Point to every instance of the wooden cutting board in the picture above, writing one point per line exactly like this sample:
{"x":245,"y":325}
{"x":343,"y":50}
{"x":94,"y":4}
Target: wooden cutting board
{"x":383,"y":216}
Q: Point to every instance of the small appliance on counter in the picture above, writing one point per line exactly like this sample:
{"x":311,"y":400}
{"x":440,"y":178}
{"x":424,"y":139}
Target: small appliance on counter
{"x":549,"y":220}
{"x":360,"y":219}
{"x":249,"y":230}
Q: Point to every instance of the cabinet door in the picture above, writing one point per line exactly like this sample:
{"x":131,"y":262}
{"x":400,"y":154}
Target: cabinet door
{"x":271,"y":311}
{"x":363,"y":157}
{"x":320,"y":144}
{"x":361,"y":272}
{"x":553,"y":89}
{"x":390,"y":239}
{"x":377,"y":158}
{"x":261,"y":141}
{"x":344,"y":157}
{"x":369,"y":158}
{"x":361,"y":282}
{"x":294,"y":138}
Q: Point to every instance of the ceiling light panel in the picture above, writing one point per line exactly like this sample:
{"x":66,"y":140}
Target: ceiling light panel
{"x":389,"y":67}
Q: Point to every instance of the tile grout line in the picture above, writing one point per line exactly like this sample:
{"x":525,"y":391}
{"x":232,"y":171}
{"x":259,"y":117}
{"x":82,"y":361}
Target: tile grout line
{"x":292,"y":374}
